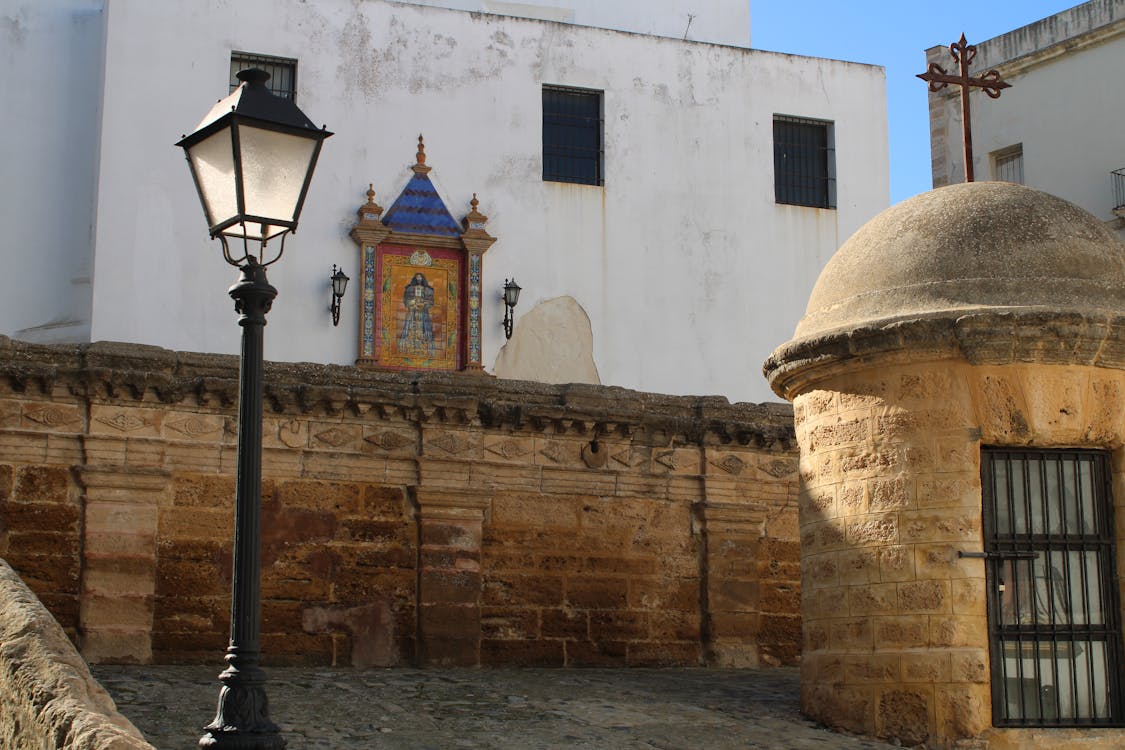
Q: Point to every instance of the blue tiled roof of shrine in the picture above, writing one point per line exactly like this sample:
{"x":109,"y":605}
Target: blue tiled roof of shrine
{"x":420,"y":210}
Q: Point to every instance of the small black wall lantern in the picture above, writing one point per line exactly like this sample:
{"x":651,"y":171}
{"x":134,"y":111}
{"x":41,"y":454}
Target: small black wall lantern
{"x":251,"y":158}
{"x":511,"y":297}
{"x":339,"y":286}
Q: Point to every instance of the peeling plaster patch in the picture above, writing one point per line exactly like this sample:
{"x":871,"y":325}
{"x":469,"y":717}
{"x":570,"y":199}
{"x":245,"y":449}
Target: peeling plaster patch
{"x":551,"y":343}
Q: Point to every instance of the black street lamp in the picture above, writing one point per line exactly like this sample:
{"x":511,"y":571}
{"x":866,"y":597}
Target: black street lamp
{"x":251,"y":159}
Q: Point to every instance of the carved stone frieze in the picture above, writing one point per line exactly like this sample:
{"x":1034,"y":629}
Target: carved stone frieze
{"x":109,"y":373}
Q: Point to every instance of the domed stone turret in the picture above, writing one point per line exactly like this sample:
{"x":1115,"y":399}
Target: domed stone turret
{"x":961,"y":361}
{"x":925,"y":271}
{"x":969,"y":247}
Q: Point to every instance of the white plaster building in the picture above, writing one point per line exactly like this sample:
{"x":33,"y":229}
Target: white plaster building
{"x":1058,"y":128}
{"x":678,"y":273}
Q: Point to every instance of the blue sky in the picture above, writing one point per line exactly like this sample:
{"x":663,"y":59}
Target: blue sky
{"x":894,"y":34}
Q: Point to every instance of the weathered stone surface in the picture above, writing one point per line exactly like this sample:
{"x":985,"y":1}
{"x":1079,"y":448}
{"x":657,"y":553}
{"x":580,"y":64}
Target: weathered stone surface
{"x":979,"y":314}
{"x":655,"y":555}
{"x":47,"y":695}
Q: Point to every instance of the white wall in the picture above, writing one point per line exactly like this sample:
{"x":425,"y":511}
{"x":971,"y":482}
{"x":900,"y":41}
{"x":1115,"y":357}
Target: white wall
{"x":50,"y":89}
{"x":715,"y":21}
{"x":1064,"y":107}
{"x":689,"y":272}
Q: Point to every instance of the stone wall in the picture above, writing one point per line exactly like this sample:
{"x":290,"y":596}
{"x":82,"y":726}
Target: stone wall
{"x":435,"y":519}
{"x":896,"y":629}
{"x":47,"y":695}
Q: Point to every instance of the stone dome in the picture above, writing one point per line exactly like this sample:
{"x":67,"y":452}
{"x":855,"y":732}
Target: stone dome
{"x":969,"y":248}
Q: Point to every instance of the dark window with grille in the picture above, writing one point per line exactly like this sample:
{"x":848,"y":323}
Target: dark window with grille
{"x":804,"y":169}
{"x":1053,"y":611}
{"x":572,"y":135}
{"x":282,"y":70}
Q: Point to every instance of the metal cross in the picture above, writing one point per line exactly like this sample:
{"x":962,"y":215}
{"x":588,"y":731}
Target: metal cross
{"x":963,"y":53}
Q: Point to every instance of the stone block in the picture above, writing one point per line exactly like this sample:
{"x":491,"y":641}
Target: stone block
{"x":449,"y":587}
{"x":523,"y":653}
{"x":338,"y":498}
{"x":944,"y":491}
{"x":896,"y":563}
{"x":815,"y":636}
{"x":41,"y":484}
{"x":297,"y":649}
{"x":115,"y":575}
{"x":891,"y":494}
{"x":859,"y":566}
{"x":779,"y":597}
{"x":950,"y":525}
{"x":191,"y":523}
{"x":873,"y":529}
{"x":61,"y":517}
{"x":448,"y":621}
{"x":651,"y":487}
{"x":49,"y":543}
{"x":595,"y":653}
{"x":852,"y":499}
{"x":742,"y":625}
{"x":898,"y":632}
{"x":905,"y":715}
{"x":204,"y":458}
{"x":116,"y":646}
{"x":829,"y":435}
{"x":923,"y":597}
{"x":850,"y":634}
{"x":830,"y":602}
{"x":817,"y":503}
{"x":932,"y":666}
{"x":589,"y":592}
{"x":116,"y":612}
{"x":860,"y":669}
{"x":970,"y":665}
{"x":958,"y":631}
{"x":527,"y":510}
{"x":558,"y":481}
{"x":942,"y":561}
{"x":969,"y":596}
{"x":524,"y":590}
{"x":450,"y":534}
{"x":489,"y":475}
{"x":510,"y":623}
{"x":963,"y":710}
{"x":107,"y":419}
{"x":664,"y":655}
{"x":618,"y":626}
{"x":821,"y":571}
{"x":189,"y":578}
{"x":676,"y":626}
{"x":873,"y":599}
{"x":46,"y":573}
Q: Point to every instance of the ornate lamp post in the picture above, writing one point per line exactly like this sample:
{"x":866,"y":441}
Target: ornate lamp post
{"x":251,"y":158}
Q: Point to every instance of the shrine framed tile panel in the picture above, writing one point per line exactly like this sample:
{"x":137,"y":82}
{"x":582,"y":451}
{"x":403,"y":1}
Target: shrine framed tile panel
{"x":417,"y":315}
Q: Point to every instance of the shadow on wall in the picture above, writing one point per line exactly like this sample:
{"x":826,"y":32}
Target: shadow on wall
{"x":552,"y":343}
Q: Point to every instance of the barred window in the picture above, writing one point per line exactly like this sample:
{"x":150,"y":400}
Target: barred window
{"x":1053,"y":605}
{"x":282,"y":70}
{"x":572,"y":135}
{"x":804,"y":164}
{"x":1007,"y":164}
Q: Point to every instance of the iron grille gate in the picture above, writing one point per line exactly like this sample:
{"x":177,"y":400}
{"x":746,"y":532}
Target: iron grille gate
{"x":1053,"y":613}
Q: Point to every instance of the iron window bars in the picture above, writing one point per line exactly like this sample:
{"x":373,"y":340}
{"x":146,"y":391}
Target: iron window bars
{"x":572,"y":135}
{"x":1053,"y":612}
{"x":804,"y":170}
{"x":282,"y":70}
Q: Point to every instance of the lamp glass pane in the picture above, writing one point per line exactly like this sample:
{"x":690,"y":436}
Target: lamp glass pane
{"x":339,"y":284}
{"x":213,"y":161}
{"x":274,"y":168}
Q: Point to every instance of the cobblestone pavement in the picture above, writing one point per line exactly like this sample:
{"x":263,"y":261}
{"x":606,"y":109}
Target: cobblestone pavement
{"x":497,"y":709}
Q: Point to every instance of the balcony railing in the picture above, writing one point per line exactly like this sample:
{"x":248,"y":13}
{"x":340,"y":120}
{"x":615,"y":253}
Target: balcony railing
{"x":1118,"y":190}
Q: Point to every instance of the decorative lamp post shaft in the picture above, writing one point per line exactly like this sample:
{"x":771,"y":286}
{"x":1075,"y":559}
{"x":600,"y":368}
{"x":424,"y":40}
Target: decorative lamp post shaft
{"x":242,"y":719}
